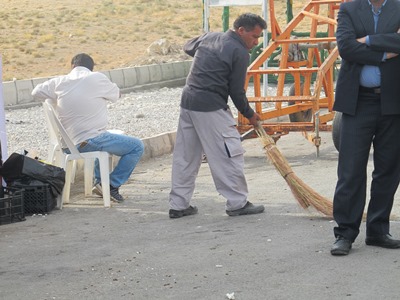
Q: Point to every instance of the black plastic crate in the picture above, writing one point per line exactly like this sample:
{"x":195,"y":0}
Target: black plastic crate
{"x":12,"y":206}
{"x":37,"y":198}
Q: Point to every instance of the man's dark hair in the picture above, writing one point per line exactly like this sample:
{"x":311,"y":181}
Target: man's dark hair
{"x":248,"y":21}
{"x":83,"y":60}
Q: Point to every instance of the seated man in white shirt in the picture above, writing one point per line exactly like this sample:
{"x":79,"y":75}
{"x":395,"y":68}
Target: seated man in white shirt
{"x":81,"y":103}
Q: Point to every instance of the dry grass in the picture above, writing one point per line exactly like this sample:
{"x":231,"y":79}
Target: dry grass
{"x":38,"y":38}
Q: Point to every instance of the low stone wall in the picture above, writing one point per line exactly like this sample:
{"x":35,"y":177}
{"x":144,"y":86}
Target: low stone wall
{"x":18,"y":93}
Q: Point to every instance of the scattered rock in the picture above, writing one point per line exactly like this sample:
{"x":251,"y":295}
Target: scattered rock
{"x":159,"y":52}
{"x":161,"y":46}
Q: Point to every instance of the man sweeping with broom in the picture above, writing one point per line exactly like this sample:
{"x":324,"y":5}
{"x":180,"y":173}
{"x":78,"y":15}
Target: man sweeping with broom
{"x":368,"y":95}
{"x":206,"y":123}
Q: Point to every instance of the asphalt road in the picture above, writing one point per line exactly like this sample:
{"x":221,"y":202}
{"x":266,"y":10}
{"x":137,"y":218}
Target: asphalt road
{"x":134,"y":251}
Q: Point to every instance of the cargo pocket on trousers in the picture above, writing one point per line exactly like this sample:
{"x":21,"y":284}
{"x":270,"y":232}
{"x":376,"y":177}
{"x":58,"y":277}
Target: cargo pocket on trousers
{"x":233,"y":145}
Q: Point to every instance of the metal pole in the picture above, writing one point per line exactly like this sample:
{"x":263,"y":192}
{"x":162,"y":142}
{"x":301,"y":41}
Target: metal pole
{"x":206,"y":15}
{"x":289,"y":11}
{"x":225,"y":18}
{"x":265,"y":43}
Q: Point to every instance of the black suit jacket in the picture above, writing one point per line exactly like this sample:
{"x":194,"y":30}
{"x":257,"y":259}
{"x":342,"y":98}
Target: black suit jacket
{"x":355,"y":20}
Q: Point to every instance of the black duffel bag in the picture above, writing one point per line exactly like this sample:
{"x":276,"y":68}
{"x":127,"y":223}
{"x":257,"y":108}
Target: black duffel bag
{"x":24,"y":169}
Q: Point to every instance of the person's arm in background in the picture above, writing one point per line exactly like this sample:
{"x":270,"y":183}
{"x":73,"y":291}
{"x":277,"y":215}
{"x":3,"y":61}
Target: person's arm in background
{"x":386,"y":42}
{"x":349,"y":47}
{"x":105,"y":87}
{"x":45,"y":90}
{"x":191,"y":46}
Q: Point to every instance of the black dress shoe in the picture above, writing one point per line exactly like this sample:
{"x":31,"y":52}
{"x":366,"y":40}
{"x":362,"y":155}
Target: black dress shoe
{"x":248,"y":209}
{"x":341,"y":246}
{"x":191,"y":210}
{"x":384,"y":241}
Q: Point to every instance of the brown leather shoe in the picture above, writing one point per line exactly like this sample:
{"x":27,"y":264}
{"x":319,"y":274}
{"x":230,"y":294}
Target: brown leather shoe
{"x":341,"y":246}
{"x":384,"y":241}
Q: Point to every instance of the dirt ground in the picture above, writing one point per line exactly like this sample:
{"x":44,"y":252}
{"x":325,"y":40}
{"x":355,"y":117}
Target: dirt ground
{"x":39,"y":38}
{"x":134,"y":251}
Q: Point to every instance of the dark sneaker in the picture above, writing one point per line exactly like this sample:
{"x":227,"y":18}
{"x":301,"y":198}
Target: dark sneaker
{"x":97,"y":190}
{"x":248,"y":209}
{"x":114,"y":192}
{"x":191,"y":210}
{"x":115,"y":195}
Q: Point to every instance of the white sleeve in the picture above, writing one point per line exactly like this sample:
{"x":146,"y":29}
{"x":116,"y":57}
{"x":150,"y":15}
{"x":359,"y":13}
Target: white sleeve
{"x":107,"y":89}
{"x":45,"y":90}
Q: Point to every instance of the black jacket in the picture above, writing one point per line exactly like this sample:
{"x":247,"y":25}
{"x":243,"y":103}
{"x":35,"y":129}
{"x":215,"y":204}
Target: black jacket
{"x":355,"y":20}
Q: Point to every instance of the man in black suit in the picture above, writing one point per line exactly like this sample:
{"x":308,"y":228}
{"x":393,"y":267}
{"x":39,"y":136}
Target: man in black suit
{"x":368,"y":95}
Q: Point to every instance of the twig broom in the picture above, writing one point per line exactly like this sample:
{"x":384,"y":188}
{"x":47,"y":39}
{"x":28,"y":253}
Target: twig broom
{"x":305,"y":195}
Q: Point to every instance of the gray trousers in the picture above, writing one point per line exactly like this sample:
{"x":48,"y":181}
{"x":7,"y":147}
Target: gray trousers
{"x":214,"y":133}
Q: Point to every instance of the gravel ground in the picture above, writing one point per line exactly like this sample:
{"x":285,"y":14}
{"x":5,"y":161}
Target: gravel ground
{"x":140,"y":114}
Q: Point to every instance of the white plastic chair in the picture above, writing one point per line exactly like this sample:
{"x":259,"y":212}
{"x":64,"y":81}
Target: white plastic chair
{"x":64,"y":141}
{"x":56,"y":155}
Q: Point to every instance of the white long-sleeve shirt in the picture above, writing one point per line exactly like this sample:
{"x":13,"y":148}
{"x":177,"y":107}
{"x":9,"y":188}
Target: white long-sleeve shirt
{"x":81,"y":97}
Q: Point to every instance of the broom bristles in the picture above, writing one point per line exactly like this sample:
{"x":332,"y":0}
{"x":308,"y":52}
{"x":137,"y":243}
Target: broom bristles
{"x":304,"y":194}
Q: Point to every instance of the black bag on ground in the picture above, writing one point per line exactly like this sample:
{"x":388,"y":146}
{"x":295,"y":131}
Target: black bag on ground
{"x":21,"y":168}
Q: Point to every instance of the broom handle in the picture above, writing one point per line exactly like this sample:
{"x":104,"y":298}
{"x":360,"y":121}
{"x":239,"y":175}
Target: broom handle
{"x":267,"y":139}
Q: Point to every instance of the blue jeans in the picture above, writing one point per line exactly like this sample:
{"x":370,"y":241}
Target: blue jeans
{"x":129,"y":149}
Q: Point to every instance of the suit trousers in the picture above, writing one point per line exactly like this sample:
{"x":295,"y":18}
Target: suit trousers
{"x":215,"y":134}
{"x":368,"y":126}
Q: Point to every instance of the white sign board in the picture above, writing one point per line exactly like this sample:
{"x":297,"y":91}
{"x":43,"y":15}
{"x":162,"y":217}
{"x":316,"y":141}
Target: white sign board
{"x":3,"y":134}
{"x":212,"y":3}
{"x":235,"y":2}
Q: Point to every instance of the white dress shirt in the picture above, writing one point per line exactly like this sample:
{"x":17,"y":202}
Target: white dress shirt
{"x":81,"y":97}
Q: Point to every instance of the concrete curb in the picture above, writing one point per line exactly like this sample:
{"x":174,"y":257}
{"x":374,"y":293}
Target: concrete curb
{"x":154,"y":146}
{"x":159,"y":145}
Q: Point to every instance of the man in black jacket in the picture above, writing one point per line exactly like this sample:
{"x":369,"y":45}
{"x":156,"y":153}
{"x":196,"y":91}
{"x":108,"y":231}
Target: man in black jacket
{"x":368,"y":95}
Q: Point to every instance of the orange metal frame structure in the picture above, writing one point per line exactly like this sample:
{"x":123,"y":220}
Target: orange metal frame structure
{"x":320,"y":100}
